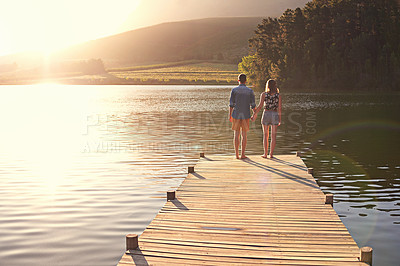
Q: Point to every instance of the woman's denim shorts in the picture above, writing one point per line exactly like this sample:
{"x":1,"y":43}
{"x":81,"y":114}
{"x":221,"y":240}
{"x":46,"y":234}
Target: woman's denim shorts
{"x":270,"y":118}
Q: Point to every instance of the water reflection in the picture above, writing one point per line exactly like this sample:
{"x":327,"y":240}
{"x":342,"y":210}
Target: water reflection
{"x":84,"y":165}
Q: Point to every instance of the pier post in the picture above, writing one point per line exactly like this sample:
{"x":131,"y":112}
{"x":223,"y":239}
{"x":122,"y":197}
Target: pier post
{"x":298,"y":153}
{"x":366,"y":255}
{"x":202,"y":155}
{"x":170,"y":195}
{"x":329,"y":199}
{"x":191,"y":169}
{"x":310,"y":171}
{"x":132,"y":241}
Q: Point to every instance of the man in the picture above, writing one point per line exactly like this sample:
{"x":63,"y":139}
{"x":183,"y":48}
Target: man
{"x":242,"y":98}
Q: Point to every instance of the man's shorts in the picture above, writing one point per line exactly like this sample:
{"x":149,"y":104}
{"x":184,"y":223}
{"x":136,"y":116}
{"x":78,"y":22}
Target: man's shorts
{"x":238,"y":124}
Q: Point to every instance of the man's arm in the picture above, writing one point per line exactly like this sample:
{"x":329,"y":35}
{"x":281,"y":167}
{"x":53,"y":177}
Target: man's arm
{"x":231,"y":104}
{"x":252,"y":101}
{"x":253,"y":106}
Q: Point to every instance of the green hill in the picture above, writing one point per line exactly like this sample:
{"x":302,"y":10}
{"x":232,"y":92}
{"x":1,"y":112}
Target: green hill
{"x":220,"y":41}
{"x":224,"y":39}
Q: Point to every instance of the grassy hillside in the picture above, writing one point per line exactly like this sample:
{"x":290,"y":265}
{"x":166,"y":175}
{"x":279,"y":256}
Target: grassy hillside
{"x":183,"y":73}
{"x":173,"y":53}
{"x":224,"y":39}
{"x":177,"y":73}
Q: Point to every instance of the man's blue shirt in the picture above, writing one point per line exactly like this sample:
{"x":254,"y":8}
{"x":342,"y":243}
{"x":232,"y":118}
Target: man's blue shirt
{"x":242,"y":98}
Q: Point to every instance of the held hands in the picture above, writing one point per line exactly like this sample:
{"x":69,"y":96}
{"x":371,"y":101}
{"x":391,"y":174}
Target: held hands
{"x":253,"y":117}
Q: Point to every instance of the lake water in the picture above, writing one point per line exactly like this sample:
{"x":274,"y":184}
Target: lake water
{"x":82,"y":166}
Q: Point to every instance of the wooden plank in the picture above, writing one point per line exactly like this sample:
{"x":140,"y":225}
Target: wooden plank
{"x":260,"y":253}
{"x":248,"y":239}
{"x":253,"y":211}
{"x":267,"y":246}
{"x":226,"y":260}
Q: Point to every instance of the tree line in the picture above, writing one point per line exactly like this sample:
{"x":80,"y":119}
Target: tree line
{"x":329,"y":44}
{"x":88,"y":67}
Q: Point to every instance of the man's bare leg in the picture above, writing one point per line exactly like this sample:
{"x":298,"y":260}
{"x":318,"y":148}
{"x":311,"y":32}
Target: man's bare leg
{"x":236,"y":142}
{"x":244,"y":143}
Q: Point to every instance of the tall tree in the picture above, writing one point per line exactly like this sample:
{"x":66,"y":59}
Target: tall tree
{"x":329,"y":44}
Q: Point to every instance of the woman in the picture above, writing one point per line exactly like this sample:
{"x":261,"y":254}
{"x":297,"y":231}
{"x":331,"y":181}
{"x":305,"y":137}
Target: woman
{"x":271,"y":100}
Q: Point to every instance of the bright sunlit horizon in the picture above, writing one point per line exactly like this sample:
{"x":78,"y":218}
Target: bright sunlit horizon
{"x":48,"y":25}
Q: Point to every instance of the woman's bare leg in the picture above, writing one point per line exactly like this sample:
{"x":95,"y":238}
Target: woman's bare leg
{"x":265,"y":140}
{"x":273,"y":140}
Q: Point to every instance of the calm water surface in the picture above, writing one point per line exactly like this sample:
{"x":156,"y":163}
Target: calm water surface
{"x":82,"y":166}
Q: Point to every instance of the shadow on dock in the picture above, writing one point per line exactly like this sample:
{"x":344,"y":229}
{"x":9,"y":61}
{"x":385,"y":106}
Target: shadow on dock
{"x":179,"y":205}
{"x":290,"y":164}
{"x":137,"y":257}
{"x":198,"y":175}
{"x":290,"y":176}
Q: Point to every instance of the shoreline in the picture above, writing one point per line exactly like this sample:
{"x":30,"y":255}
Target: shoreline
{"x":105,"y":82}
{"x":120,"y":83}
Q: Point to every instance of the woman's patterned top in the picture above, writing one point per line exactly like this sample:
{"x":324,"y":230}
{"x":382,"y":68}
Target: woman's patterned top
{"x":271,"y":101}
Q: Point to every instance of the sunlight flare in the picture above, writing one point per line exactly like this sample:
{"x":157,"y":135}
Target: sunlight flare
{"x":47,"y":25}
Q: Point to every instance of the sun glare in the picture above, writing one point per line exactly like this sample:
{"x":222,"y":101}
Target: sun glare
{"x":47,"y":25}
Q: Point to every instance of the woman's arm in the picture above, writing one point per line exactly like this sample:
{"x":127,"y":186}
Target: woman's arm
{"x":280,"y":109}
{"x":260,"y":105}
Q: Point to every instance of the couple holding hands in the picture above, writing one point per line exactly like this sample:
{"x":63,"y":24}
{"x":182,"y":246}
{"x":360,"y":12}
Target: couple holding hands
{"x":241,"y":100}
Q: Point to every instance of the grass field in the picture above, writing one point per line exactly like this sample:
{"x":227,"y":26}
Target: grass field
{"x":177,"y":73}
{"x":190,"y":73}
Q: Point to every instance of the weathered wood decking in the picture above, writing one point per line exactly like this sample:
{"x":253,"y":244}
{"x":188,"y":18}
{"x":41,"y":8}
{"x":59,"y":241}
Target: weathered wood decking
{"x":253,"y":211}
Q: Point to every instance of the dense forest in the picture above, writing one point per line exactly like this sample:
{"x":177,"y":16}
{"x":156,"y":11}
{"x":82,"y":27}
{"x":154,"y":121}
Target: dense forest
{"x":329,"y":44}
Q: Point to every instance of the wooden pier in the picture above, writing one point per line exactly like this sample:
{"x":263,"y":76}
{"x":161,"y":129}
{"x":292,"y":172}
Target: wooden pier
{"x":253,"y":211}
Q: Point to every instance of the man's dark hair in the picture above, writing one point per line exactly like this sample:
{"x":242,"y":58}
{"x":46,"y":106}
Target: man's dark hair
{"x":242,"y":78}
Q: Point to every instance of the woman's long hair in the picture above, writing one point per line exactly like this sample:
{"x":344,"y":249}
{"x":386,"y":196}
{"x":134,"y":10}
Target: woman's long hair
{"x":271,"y":87}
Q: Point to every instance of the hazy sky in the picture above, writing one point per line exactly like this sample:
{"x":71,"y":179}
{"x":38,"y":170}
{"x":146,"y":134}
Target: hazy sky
{"x":156,"y":11}
{"x":46,"y":25}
